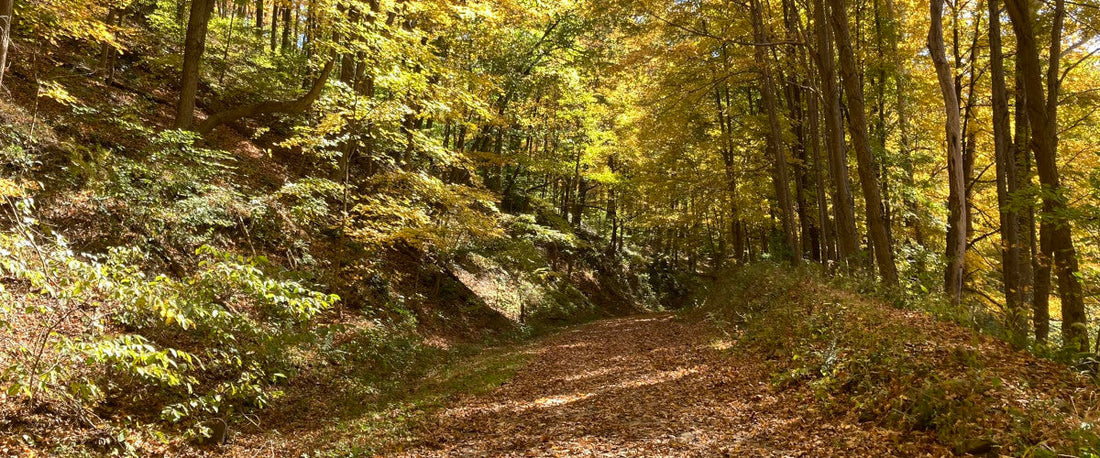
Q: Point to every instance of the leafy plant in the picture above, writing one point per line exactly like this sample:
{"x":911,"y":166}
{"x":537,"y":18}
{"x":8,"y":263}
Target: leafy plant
{"x":215,"y":341}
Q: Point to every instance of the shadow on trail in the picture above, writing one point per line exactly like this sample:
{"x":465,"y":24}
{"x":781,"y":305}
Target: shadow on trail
{"x":641,"y":386}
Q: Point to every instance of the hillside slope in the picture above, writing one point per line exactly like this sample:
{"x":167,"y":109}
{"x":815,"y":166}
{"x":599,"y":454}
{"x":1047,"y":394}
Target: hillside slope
{"x":839,"y":354}
{"x":160,"y":291}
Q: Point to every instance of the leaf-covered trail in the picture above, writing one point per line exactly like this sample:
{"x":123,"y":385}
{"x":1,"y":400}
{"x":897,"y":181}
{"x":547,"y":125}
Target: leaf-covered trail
{"x":651,"y":385}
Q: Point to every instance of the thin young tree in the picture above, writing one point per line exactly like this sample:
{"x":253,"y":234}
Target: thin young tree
{"x":7,"y":13}
{"x":956,"y":234}
{"x":1006,"y":181}
{"x":780,"y":178}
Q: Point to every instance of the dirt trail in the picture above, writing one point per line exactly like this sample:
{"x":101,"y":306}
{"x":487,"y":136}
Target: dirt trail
{"x":650,"y":385}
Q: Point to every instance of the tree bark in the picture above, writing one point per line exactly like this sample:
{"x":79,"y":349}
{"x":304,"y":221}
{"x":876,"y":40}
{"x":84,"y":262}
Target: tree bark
{"x":1029,"y":263}
{"x":1055,"y":234}
{"x":835,"y":150}
{"x":780,"y":178}
{"x":857,"y":122}
{"x":720,"y":95}
{"x":7,"y":14}
{"x":879,"y":126}
{"x":285,"y":45}
{"x":793,"y":88}
{"x":274,"y":38}
{"x":193,"y":48}
{"x":269,"y":107}
{"x":259,"y":17}
{"x":828,"y":242}
{"x":347,"y":65}
{"x":956,"y":232}
{"x":1006,"y":182}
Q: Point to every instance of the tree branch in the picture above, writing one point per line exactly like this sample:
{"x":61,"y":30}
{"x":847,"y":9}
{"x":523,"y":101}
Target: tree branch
{"x":268,"y":107}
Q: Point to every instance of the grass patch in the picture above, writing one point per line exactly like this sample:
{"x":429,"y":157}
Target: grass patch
{"x":391,"y":420}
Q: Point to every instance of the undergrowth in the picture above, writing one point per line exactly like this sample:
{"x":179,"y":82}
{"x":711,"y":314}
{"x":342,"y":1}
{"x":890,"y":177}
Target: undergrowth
{"x":894,"y":364}
{"x":395,"y":415}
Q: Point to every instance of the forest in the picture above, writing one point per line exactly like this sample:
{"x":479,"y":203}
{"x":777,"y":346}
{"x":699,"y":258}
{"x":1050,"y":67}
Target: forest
{"x":549,"y":228}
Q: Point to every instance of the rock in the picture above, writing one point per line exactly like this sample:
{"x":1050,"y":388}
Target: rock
{"x":219,"y":433}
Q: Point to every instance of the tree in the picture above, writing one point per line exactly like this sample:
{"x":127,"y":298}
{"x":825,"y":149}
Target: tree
{"x":774,"y":144}
{"x":7,"y":13}
{"x":194,"y":46}
{"x":956,"y":233}
{"x":259,"y":17}
{"x":1007,"y":181}
{"x":1056,"y":239}
{"x":295,"y":106}
{"x":1029,"y":263}
{"x":857,"y":123}
{"x":835,"y":150}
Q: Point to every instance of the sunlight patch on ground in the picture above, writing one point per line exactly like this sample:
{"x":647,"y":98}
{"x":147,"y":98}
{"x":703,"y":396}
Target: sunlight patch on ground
{"x":646,"y":320}
{"x":722,"y":344}
{"x":655,"y":378}
{"x":647,"y":379}
{"x":560,"y":400}
{"x":589,"y":374}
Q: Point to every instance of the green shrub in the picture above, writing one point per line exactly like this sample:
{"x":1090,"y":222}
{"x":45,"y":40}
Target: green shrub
{"x":104,"y":332}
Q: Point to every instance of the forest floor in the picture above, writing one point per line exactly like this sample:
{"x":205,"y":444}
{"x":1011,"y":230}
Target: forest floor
{"x":648,"y":385}
{"x":769,"y":364}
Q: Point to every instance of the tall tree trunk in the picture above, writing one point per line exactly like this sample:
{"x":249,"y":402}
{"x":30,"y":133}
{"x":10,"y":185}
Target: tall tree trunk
{"x":7,"y":13}
{"x":347,"y":65}
{"x":580,"y":203}
{"x":836,"y":151}
{"x":1055,"y":234}
{"x":181,"y":7}
{"x":774,"y":145}
{"x":1029,"y":263}
{"x":879,"y":127}
{"x":968,"y":135}
{"x":824,"y":233}
{"x":285,"y":46}
{"x":793,"y":86}
{"x":309,"y":34}
{"x":259,"y":17}
{"x":108,"y":55}
{"x":228,"y":43}
{"x":295,"y":22}
{"x":1006,"y":181}
{"x":956,"y":232}
{"x":722,"y":95}
{"x":274,"y":26}
{"x":828,"y":243}
{"x":857,"y":121}
{"x":194,"y":46}
{"x":801,"y":181}
{"x":612,"y":215}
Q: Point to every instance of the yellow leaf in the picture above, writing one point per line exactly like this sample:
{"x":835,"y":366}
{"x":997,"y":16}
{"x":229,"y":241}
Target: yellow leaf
{"x":57,"y":92}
